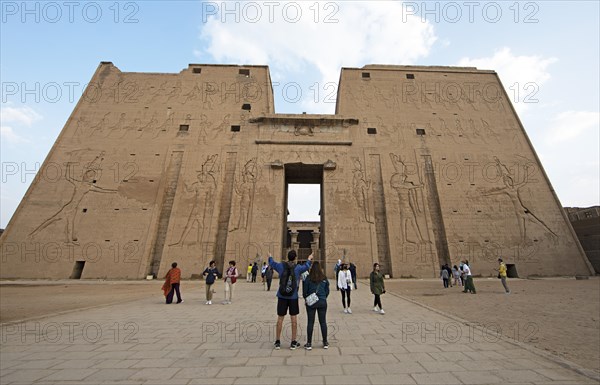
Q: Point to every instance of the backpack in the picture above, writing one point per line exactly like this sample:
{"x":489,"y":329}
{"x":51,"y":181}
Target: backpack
{"x":287,"y":281}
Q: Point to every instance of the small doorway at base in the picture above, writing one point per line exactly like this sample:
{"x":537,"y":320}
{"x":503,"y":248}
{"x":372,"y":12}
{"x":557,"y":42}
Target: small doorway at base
{"x":511,"y":270}
{"x":77,"y":270}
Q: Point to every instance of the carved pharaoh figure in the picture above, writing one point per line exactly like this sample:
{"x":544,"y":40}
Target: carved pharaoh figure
{"x":203,"y":189}
{"x":245,"y":191}
{"x":68,"y":212}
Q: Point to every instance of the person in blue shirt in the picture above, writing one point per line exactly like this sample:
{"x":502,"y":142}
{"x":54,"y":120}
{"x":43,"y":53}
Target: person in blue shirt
{"x":285,"y":302}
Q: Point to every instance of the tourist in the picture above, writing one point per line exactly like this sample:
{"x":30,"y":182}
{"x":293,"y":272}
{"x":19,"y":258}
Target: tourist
{"x":230,"y":278}
{"x":502,"y":275}
{"x":254,"y":272}
{"x":445,"y":277}
{"x":344,"y":283}
{"x":469,"y":285}
{"x":316,"y":283}
{"x":171,"y":285}
{"x":377,"y":287}
{"x":449,"y":274}
{"x":262,"y":272}
{"x":336,"y":269}
{"x":287,"y":295}
{"x":249,"y":273}
{"x":268,"y":277}
{"x":211,"y":273}
{"x":456,"y":275}
{"x":352,"y":269}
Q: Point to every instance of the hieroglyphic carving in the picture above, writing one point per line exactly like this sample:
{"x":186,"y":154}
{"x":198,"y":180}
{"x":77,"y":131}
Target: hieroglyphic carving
{"x":512,"y":190}
{"x":360,"y":190}
{"x":68,"y":212}
{"x":408,"y":201}
{"x":245,"y":191}
{"x":204,"y":189}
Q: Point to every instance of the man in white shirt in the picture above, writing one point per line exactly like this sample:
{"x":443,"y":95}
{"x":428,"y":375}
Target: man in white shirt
{"x":469,"y":285}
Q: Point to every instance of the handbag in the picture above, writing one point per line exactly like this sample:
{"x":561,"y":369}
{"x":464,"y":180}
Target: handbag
{"x":312,"y":298}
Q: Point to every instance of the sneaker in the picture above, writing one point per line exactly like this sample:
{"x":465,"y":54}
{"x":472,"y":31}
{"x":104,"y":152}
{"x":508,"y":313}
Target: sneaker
{"x":210,"y":302}
{"x":325,"y":345}
{"x":180,"y":301}
{"x":294,"y":345}
{"x":376,"y":309}
{"x":277,"y":345}
{"x":381,"y":311}
{"x":206,"y":303}
{"x":345,"y":310}
{"x":307,"y":346}
{"x":349,"y":311}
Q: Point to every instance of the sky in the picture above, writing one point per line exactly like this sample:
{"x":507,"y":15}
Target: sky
{"x":545,"y":52}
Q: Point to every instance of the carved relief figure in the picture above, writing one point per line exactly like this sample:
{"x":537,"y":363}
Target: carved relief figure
{"x":245,"y":191}
{"x":68,"y":212}
{"x":360,"y":189}
{"x":408,"y":200}
{"x":512,"y":190}
{"x":202,"y":209}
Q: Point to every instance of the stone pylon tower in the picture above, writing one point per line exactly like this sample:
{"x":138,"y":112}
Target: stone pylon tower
{"x":420,"y":166}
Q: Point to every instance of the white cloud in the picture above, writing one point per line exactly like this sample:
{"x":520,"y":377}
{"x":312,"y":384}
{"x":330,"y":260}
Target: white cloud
{"x":522,"y":76}
{"x":361,"y":33}
{"x":20,"y":115}
{"x":16,"y":116}
{"x":571,"y":125}
{"x":8,"y":134}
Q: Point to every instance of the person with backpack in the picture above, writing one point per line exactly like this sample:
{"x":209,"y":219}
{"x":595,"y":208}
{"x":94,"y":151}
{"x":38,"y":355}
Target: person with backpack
{"x":287,"y":295}
{"x":211,"y":273}
{"x":344,"y":282}
{"x":315,"y":289}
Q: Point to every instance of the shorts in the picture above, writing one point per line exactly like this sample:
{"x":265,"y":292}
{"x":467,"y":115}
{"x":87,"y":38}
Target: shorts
{"x":283,"y":304}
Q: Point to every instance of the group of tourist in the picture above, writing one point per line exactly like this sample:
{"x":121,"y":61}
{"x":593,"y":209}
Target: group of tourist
{"x":315,"y":290}
{"x":464,"y":277}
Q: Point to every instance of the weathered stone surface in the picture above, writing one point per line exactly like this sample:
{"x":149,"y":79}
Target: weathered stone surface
{"x":419,"y":166}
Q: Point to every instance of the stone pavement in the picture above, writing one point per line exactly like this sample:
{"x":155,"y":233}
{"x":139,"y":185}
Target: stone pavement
{"x":148,"y":342}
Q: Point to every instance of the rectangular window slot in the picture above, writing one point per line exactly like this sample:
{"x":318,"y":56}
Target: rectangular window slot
{"x":151,"y":180}
{"x":460,"y":136}
{"x":461,"y":241}
{"x":444,"y":158}
{"x":196,"y":70}
{"x":472,"y":184}
{"x":366,"y":75}
{"x":420,"y":131}
{"x":535,"y":240}
{"x":449,"y":184}
{"x":235,"y":128}
{"x":116,"y":209}
{"x":466,"y":158}
{"x":156,"y":154}
{"x":487,"y":240}
{"x":454,"y":211}
{"x":136,"y":240}
{"x":455,"y":114}
{"x":144,"y":209}
{"x":410,"y":76}
{"x":371,"y":131}
{"x":434,"y":113}
{"x":246,"y":107}
{"x":94,"y":181}
{"x":244,"y":72}
{"x":184,"y":127}
{"x":107,"y":240}
{"x":478,"y":211}
{"x":84,"y":210}
{"x":132,"y":154}
{"x":125,"y":180}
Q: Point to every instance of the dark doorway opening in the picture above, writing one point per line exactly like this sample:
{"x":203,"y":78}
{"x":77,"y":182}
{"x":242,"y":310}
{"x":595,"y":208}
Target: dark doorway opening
{"x":511,"y":270}
{"x":77,"y":270}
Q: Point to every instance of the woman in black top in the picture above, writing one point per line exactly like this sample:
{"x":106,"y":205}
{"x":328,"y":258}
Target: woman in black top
{"x":316,"y":282}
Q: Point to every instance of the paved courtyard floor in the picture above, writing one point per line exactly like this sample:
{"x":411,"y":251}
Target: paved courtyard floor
{"x":147,"y":342}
